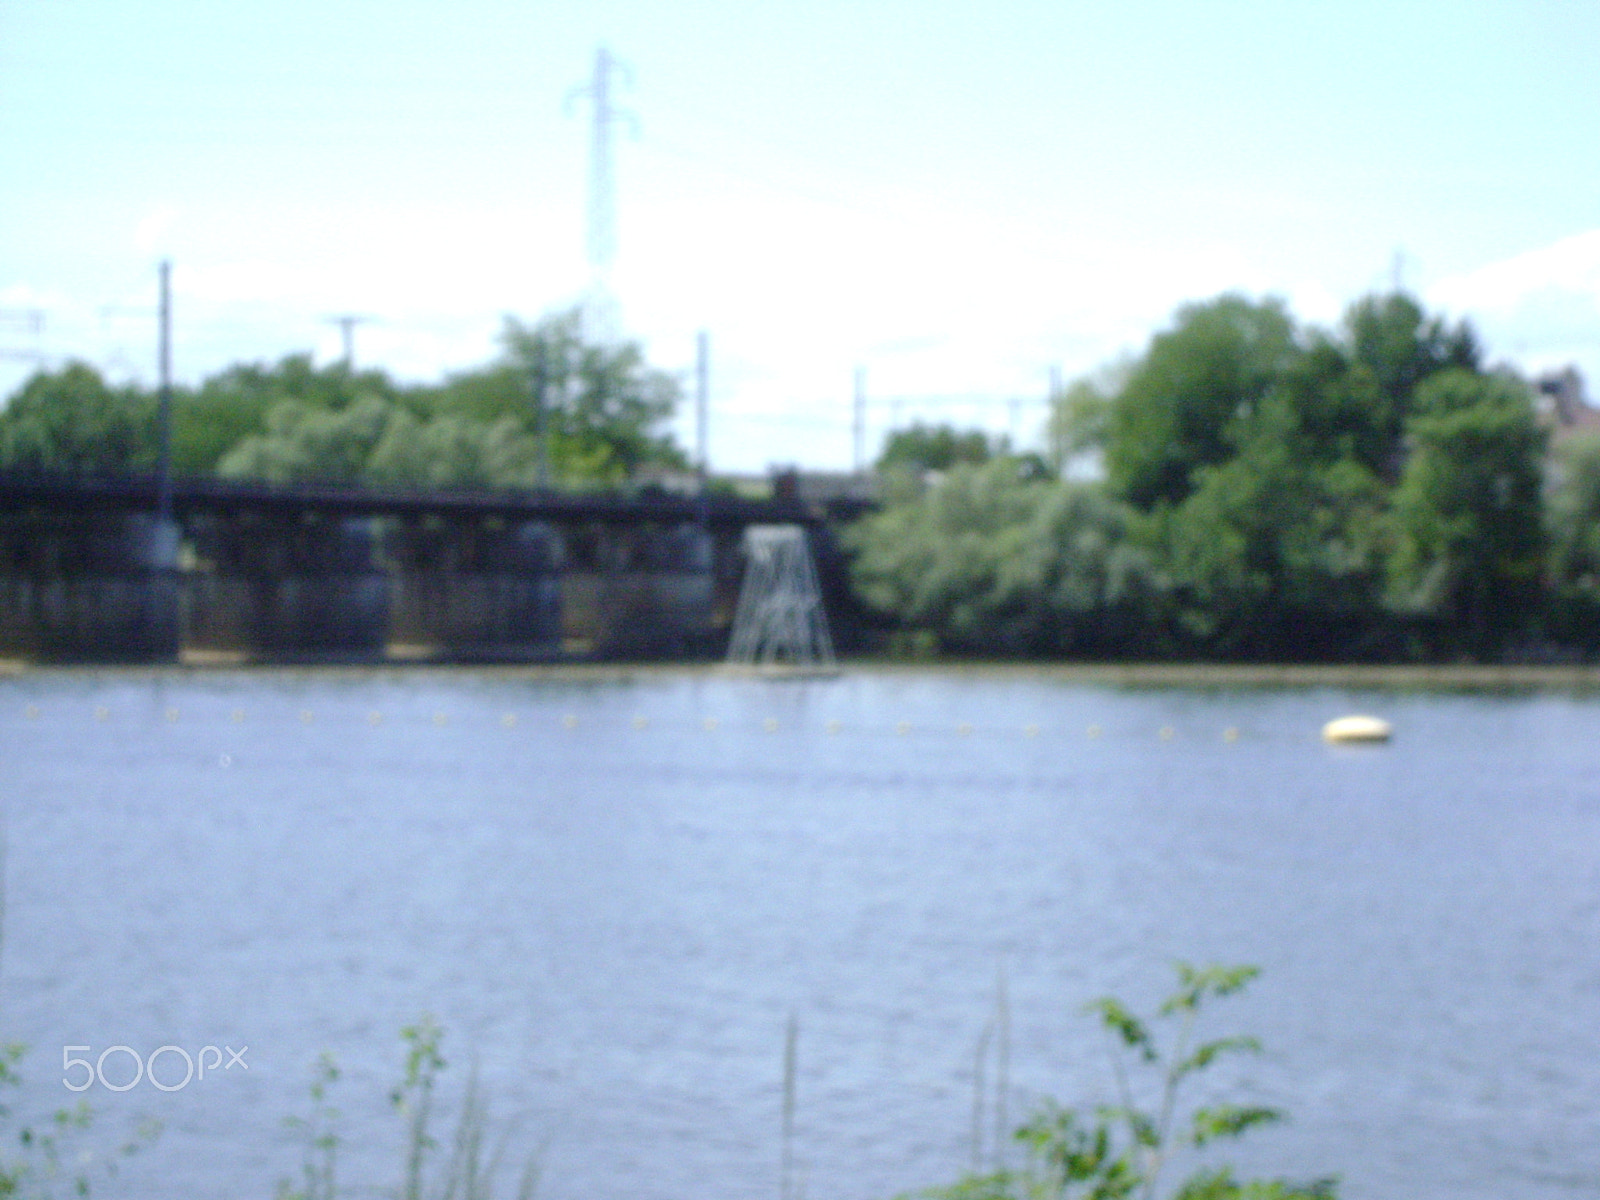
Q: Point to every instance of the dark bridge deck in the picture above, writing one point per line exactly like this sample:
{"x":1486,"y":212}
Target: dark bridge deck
{"x":209,"y":495}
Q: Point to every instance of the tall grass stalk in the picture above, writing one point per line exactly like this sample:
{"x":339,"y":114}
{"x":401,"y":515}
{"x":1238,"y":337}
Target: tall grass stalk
{"x":471,"y":1170}
{"x":791,"y":1039}
{"x":1002,"y":1067}
{"x":980,"y":1056}
{"x":473,"y":1165}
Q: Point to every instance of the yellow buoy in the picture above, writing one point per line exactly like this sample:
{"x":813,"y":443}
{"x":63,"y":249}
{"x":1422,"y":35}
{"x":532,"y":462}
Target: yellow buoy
{"x":1357,"y":729}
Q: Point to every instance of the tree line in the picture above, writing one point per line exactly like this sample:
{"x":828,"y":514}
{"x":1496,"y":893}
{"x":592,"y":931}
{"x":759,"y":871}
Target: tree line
{"x":551,"y":407}
{"x":1252,"y":488}
{"x":1248,"y":487}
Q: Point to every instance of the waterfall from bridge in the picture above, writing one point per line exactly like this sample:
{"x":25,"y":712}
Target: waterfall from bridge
{"x":780,"y":621}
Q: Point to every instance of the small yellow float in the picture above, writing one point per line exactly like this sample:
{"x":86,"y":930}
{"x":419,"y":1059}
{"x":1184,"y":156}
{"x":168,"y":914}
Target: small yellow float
{"x":1357,"y":729}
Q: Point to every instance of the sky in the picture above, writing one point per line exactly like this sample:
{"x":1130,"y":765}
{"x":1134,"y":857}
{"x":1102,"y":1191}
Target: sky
{"x":955,"y":199}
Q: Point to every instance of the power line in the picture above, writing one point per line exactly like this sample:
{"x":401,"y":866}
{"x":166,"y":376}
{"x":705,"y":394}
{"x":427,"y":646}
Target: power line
{"x":28,"y":321}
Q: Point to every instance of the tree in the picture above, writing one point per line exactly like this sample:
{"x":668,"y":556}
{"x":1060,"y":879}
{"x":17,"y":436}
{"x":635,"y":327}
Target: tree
{"x":922,"y":448}
{"x":1396,"y":346}
{"x":1178,"y":409}
{"x":1466,"y":516}
{"x":304,"y":443}
{"x":1274,"y":558}
{"x":453,"y":451}
{"x":1277,"y":550}
{"x":233,"y":405}
{"x":994,"y":558}
{"x":71,"y":420}
{"x":1572,"y":538}
{"x":293,"y":421}
{"x":604,"y":409}
{"x":1079,"y":421}
{"x":1573,"y":516}
{"x":1264,"y":459}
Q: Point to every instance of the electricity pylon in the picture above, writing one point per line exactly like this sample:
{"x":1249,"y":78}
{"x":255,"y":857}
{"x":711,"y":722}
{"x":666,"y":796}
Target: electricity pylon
{"x":347,"y":323}
{"x":600,"y":316}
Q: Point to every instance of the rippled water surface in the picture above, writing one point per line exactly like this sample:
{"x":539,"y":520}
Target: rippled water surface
{"x":613,"y":894}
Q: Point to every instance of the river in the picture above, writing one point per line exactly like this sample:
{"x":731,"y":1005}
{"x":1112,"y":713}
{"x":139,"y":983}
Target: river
{"x":613,"y":892}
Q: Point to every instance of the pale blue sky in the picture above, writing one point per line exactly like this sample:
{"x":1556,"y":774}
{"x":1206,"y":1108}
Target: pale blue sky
{"x":956,"y":197}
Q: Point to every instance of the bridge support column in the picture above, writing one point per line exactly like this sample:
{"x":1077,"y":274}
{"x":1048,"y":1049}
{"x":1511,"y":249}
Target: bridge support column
{"x":287,"y":588}
{"x":644,"y":591}
{"x":481,"y":590}
{"x":89,"y":587}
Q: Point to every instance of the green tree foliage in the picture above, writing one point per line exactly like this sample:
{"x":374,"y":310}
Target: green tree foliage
{"x":1122,"y":1150}
{"x":601,"y":425}
{"x":1079,"y":421}
{"x":1573,"y":516}
{"x":295,"y":422}
{"x":1267,"y":462}
{"x":1278,"y":549}
{"x":1572,"y":539}
{"x":1269,"y":492}
{"x":1272,"y":556}
{"x":994,"y":558}
{"x":1467,"y":516}
{"x":453,"y":451}
{"x":921,"y":448}
{"x":1395,"y":346}
{"x":1181,"y":402}
{"x":71,"y":420}
{"x":604,"y":405}
{"x":303,"y":441}
{"x":235,"y":405}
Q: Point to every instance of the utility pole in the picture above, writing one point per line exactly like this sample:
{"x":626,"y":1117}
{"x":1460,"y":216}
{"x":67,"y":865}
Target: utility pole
{"x":860,"y":422}
{"x":702,"y":405}
{"x":601,"y":232}
{"x":541,"y":385}
{"x":164,"y":397}
{"x":1053,"y":430}
{"x":347,"y":323}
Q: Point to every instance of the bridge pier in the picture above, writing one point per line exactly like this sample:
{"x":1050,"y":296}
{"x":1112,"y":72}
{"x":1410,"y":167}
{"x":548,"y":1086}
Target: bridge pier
{"x":88,"y":587}
{"x":476,"y":590}
{"x":298,"y":587}
{"x":638,"y":591}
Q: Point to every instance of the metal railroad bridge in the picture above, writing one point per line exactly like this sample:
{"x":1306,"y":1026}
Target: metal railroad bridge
{"x":91,"y":569}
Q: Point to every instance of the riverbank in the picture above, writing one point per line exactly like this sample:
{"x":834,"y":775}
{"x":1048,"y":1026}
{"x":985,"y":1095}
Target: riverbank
{"x":1452,"y":677}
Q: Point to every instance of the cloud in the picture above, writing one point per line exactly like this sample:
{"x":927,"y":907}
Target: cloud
{"x":151,"y":234}
{"x":1541,"y":308}
{"x":1570,"y":266}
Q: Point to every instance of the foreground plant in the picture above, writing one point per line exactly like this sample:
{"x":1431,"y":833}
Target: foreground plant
{"x":467,"y":1174}
{"x":51,"y":1152}
{"x":1119,"y":1151}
